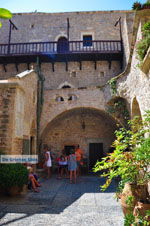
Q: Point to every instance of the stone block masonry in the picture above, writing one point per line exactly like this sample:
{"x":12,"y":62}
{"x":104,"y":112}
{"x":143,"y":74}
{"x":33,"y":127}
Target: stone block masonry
{"x":7,"y":98}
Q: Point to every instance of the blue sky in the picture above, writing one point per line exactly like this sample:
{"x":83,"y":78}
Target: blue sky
{"x":66,"y":5}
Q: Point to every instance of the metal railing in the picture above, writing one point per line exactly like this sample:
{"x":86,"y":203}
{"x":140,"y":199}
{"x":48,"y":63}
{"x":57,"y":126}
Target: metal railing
{"x":68,"y":47}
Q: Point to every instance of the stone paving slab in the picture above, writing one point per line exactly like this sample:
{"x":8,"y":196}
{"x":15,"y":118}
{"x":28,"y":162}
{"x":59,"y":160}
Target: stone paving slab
{"x":62,"y":204}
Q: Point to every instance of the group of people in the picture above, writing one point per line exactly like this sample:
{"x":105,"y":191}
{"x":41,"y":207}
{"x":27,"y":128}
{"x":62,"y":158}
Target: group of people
{"x":69,"y":165}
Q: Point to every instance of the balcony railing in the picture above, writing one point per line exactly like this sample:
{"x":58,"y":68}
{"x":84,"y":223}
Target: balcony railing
{"x":68,"y":47}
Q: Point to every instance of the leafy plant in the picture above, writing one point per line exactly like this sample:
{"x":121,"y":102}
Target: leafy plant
{"x":5,"y":14}
{"x":119,"y":110}
{"x":147,"y":3}
{"x":130,"y":219}
{"x":13,"y":175}
{"x":130,"y":200}
{"x":133,"y":219}
{"x":142,"y":47}
{"x":136,"y":6}
{"x":146,"y":27}
{"x":144,"y":43}
{"x":112,"y":82}
{"x":131,"y":157}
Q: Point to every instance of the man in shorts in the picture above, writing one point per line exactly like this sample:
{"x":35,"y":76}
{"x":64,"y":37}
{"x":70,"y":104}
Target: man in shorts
{"x":79,"y":158}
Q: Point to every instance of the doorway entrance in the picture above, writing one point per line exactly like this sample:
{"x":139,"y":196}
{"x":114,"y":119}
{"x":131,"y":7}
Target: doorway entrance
{"x":62,"y":45}
{"x":95,"y":153}
{"x":68,"y":148}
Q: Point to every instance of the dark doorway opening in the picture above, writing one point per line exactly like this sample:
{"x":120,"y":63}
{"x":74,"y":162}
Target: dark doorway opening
{"x":68,"y":148}
{"x":62,"y":45}
{"x":95,"y":153}
{"x":31,"y":145}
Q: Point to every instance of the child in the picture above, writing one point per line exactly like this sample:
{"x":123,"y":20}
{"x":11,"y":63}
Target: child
{"x":72,"y":165}
{"x":62,"y":166}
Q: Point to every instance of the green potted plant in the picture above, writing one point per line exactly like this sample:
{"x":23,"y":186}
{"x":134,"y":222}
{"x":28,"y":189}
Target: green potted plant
{"x":130,"y":219}
{"x":146,"y":5}
{"x":130,"y":162}
{"x":13,"y":177}
{"x":136,"y":5}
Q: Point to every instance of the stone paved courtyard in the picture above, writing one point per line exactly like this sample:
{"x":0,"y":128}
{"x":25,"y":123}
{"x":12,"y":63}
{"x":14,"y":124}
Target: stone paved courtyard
{"x":62,"y":204}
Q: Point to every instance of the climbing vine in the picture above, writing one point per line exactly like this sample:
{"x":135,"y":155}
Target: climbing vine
{"x":118,"y":109}
{"x":112,"y":82}
{"x":143,"y":45}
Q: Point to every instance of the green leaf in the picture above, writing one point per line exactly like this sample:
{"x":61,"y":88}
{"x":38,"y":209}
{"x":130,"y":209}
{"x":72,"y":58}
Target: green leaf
{"x":0,"y":24}
{"x":5,"y":14}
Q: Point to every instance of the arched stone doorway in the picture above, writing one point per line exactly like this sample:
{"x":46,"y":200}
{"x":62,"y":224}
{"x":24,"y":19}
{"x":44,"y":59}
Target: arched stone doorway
{"x":62,"y":45}
{"x":92,"y":129}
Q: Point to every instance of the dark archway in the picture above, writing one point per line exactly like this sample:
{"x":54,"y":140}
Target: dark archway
{"x":62,"y":45}
{"x":91,"y":128}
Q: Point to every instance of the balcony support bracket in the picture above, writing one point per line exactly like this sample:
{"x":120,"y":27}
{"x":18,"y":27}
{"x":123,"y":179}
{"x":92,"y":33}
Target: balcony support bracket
{"x":66,"y":66}
{"x":16,"y":66}
{"x":109,"y":63}
{"x":4,"y":67}
{"x":95,"y":65}
{"x":80,"y":65}
{"x":28,"y":66}
{"x":53,"y":66}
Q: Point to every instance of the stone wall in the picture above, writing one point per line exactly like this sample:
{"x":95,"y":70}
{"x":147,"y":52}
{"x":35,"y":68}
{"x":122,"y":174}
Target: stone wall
{"x":11,"y":70}
{"x":90,"y":97}
{"x":7,"y":100}
{"x":88,"y":76}
{"x":18,"y":99}
{"x":136,"y":83}
{"x":34,"y":27}
{"x":25,"y":109}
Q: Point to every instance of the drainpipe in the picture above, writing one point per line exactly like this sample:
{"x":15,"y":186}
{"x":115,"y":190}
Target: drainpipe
{"x":40,"y":100}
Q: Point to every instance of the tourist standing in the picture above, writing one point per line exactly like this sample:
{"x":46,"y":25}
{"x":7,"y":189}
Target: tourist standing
{"x":72,"y":166}
{"x":79,"y":158}
{"x":48,"y":161}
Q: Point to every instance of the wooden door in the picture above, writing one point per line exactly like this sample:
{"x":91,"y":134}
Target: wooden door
{"x":95,"y":153}
{"x":62,"y":45}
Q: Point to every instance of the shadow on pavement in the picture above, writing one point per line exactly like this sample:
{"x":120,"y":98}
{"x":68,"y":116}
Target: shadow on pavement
{"x":55,"y":197}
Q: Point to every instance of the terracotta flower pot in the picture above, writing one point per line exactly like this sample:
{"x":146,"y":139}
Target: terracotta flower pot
{"x":128,"y":190}
{"x":139,"y":192}
{"x":24,"y":189}
{"x":14,"y":190}
{"x":140,"y":209}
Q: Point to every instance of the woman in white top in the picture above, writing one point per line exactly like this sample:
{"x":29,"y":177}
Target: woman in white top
{"x":48,"y":161}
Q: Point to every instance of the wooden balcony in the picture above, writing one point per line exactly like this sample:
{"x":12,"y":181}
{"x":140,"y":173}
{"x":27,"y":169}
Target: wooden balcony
{"x":55,"y":52}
